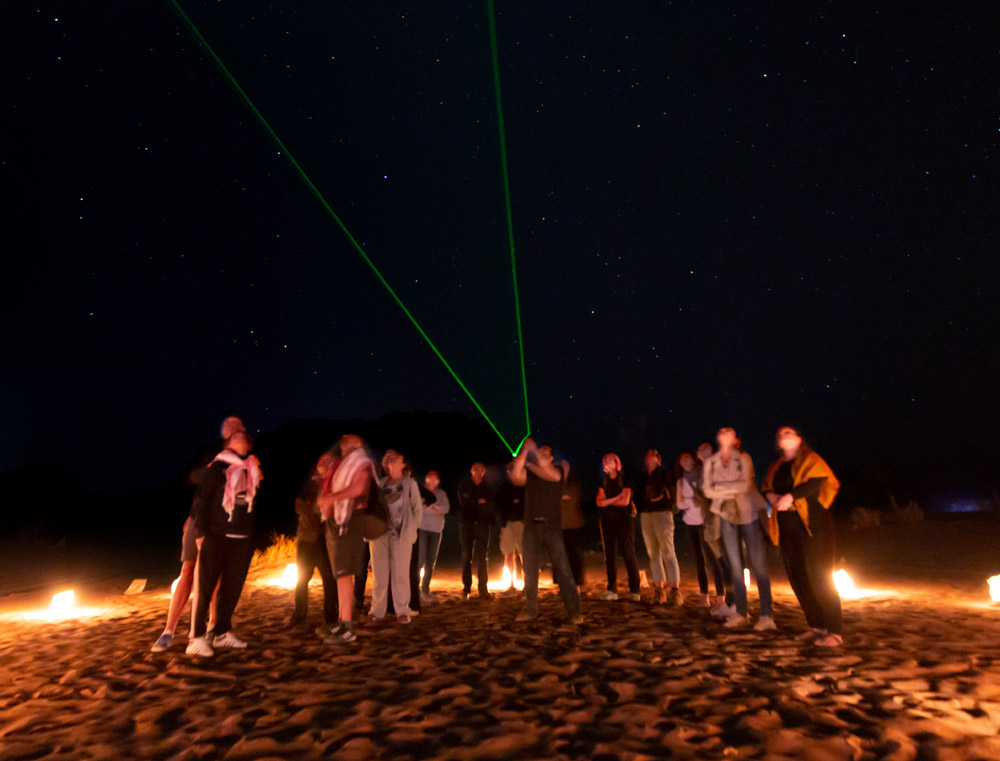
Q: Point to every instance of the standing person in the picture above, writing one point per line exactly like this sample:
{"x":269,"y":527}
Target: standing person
{"x":656,"y":517}
{"x":725,"y":607}
{"x":310,"y":551}
{"x":391,"y":551}
{"x":181,"y":592}
{"x":801,"y":488}
{"x":572,"y":524}
{"x":224,"y":525}
{"x":617,"y":528}
{"x":693,"y":506}
{"x":510,"y":511}
{"x":729,"y":482}
{"x":429,"y":535}
{"x":476,"y":503}
{"x":346,"y":488}
{"x":535,"y":469}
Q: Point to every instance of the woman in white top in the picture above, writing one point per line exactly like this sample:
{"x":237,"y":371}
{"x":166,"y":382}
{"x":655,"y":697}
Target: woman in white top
{"x":728,"y":480}
{"x":691,"y":502}
{"x":391,"y":551}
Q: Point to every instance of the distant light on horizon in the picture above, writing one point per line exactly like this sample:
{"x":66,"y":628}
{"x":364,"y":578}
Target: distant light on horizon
{"x":994,"y":582}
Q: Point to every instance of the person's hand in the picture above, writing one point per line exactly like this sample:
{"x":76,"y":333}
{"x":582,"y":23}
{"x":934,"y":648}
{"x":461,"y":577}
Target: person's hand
{"x":786,"y":502}
{"x":530,"y":445}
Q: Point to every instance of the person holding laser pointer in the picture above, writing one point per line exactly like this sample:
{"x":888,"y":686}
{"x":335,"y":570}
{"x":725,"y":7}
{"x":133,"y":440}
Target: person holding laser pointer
{"x":535,"y":469}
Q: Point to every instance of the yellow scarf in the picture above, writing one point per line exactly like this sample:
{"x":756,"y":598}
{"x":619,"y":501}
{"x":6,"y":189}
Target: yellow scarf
{"x":806,"y":466}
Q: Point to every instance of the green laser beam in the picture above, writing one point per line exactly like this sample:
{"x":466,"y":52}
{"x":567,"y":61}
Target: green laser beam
{"x":343,"y":228}
{"x":494,"y":54}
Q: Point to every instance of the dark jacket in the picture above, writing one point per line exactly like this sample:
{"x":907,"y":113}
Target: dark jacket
{"x":510,"y":503}
{"x":470,"y":507}
{"x":210,"y":516}
{"x":310,"y":526}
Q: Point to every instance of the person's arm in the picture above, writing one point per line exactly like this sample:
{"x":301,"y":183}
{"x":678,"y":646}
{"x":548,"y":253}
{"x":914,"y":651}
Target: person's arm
{"x":416,"y":502}
{"x":809,"y":490}
{"x":355,"y":489}
{"x":519,"y":471}
{"x":204,"y":496}
{"x":548,"y":472}
{"x":602,"y":501}
{"x":443,"y":505}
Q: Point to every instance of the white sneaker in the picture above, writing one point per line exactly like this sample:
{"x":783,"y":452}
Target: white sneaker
{"x":736,"y":621}
{"x":609,"y":595}
{"x":765,"y":624}
{"x":724,"y":611}
{"x":199,"y":646}
{"x":228,"y":641}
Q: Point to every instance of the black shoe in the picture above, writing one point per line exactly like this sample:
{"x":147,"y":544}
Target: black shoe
{"x":341,"y":637}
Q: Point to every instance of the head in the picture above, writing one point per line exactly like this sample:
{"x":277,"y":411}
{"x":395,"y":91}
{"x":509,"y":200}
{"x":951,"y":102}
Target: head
{"x":324,"y":463}
{"x":653,"y":460}
{"x":544,"y":455}
{"x":231,"y":425}
{"x":727,"y":439}
{"x":432,"y":480}
{"x":685,"y":462}
{"x":705,"y":450}
{"x":478,"y":473}
{"x":393,"y":464}
{"x":348,"y":443}
{"x":612,"y":464}
{"x":239,"y":442}
{"x":789,"y":440}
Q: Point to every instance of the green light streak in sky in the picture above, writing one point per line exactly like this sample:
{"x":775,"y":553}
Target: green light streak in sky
{"x":347,"y":233}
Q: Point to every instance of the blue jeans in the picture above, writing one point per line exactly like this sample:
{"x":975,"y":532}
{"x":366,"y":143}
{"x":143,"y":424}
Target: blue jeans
{"x":539,"y":536}
{"x":753,"y":535}
{"x":428,"y":544}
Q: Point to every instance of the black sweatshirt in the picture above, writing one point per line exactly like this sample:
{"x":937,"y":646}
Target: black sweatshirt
{"x":210,"y":516}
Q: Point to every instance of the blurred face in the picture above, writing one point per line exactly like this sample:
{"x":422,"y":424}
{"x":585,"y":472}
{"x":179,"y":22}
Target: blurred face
{"x":349,"y":443}
{"x":324,"y":464}
{"x":477,"y":471}
{"x":432,"y":481}
{"x":687,"y":462}
{"x":726,"y":438}
{"x":395,"y":468}
{"x":704,"y":451}
{"x":652,"y":462}
{"x":231,"y":425}
{"x":789,"y":440}
{"x":240,"y":443}
{"x":610,"y":466}
{"x":544,"y":455}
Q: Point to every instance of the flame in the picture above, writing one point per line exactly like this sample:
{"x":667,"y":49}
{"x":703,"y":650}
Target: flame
{"x":291,"y":576}
{"x":746,"y":578}
{"x":421,"y":574}
{"x":994,"y":582}
{"x":845,"y":584}
{"x":505,"y":582}
{"x":63,"y":603}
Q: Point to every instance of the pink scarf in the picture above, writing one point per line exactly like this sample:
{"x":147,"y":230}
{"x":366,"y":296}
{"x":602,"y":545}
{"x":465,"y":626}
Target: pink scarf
{"x":241,"y":475}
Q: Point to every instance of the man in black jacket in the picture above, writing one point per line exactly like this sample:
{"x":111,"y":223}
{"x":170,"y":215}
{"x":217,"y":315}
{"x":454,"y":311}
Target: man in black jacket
{"x":476,"y":510}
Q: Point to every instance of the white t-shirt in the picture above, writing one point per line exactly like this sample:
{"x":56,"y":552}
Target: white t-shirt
{"x":685,"y":501}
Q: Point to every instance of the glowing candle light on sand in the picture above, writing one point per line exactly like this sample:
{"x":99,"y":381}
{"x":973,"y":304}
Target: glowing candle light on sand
{"x":746,"y":577}
{"x":291,"y":576}
{"x":994,"y":582}
{"x":845,"y":584}
{"x":421,"y":574}
{"x":507,"y":580}
{"x":63,"y":603}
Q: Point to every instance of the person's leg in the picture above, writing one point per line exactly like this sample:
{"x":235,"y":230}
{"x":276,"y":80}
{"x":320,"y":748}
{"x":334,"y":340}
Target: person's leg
{"x":820,"y":559}
{"x":757,"y":557}
{"x":626,"y":538}
{"x":467,"y":535}
{"x":413,"y":577}
{"x":422,"y":569}
{"x":571,"y":541}
{"x":235,"y":564}
{"x":180,"y":596}
{"x":552,"y":537}
{"x":715,"y":563}
{"x":652,"y":541}
{"x":380,"y":576}
{"x":331,"y":613}
{"x":306,"y":559}
{"x":694,"y":539}
{"x":433,"y":547}
{"x":400,"y":552}
{"x":482,"y":548}
{"x":609,"y":539}
{"x":361,"y":576}
{"x":532,"y":564}
{"x":210,"y":560}
{"x":731,"y":541}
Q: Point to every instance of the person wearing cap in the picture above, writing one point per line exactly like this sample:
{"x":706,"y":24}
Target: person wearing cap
{"x":181,"y":592}
{"x":617,"y":528}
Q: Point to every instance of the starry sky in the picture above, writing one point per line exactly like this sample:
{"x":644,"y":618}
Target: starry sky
{"x":722,"y":216}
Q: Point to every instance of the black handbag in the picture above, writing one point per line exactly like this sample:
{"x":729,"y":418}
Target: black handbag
{"x":376,"y":515}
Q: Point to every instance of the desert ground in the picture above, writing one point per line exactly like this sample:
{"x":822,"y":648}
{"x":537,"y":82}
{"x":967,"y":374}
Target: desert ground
{"x":917,"y":678}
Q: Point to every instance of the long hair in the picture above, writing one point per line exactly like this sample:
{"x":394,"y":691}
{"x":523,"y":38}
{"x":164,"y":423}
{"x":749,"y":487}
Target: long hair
{"x":678,"y":470}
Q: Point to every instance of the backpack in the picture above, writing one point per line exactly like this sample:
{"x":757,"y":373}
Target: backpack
{"x":376,"y":515}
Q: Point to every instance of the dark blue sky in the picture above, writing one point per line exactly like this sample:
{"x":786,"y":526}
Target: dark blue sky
{"x":722,"y":217}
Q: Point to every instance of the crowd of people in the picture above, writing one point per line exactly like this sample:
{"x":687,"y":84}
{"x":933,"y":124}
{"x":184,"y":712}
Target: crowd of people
{"x":355,"y":514}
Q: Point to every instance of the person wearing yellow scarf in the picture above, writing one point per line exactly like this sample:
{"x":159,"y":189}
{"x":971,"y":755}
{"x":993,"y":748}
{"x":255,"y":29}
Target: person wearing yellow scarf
{"x":801,"y":488}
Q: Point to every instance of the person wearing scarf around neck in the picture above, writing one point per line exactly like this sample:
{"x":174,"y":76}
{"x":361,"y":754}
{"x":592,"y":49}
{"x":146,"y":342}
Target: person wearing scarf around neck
{"x":224,"y":525}
{"x":344,"y":492}
{"x":728,"y":480}
{"x":617,"y":528}
{"x":656,"y":519}
{"x":801,"y":488}
{"x":693,"y":505}
{"x":391,"y":552}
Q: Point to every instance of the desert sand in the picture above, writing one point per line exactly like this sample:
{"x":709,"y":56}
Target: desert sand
{"x":918,"y":676}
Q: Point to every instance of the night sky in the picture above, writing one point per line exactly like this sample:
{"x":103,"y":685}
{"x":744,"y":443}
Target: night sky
{"x":747,"y":217}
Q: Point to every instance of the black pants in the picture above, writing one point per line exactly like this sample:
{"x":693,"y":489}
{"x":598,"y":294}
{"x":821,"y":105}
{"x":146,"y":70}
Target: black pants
{"x":618,"y":531}
{"x":225,"y":561}
{"x":571,"y":538}
{"x":703,"y":556}
{"x":475,"y":536}
{"x":361,"y":578}
{"x":414,"y":576}
{"x":312,"y":556}
{"x":809,"y":563}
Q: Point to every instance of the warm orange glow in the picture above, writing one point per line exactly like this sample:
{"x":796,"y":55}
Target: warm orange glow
{"x":746,"y":577}
{"x":173,"y":586}
{"x":994,"y":582}
{"x":505,"y":582}
{"x":63,"y":603}
{"x":62,"y":607}
{"x":849,"y":591}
